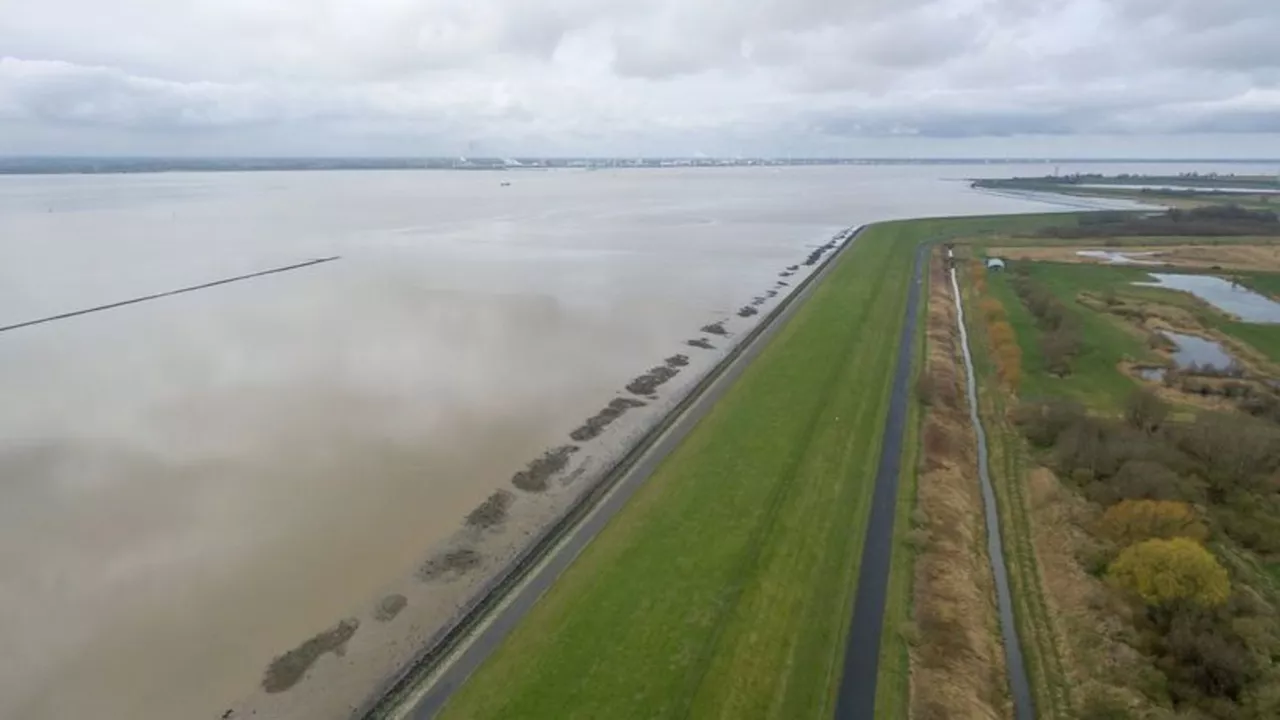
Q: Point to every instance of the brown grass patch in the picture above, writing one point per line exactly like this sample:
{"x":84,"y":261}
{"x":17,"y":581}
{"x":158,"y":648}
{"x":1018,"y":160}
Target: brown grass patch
{"x":957,"y":664}
{"x":1241,"y":254}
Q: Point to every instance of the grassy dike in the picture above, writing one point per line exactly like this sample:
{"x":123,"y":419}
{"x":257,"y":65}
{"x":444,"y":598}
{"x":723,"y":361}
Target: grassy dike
{"x":724,"y":588}
{"x":893,"y":683}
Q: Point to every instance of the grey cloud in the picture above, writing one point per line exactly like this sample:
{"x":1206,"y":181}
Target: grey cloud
{"x":650,"y":74}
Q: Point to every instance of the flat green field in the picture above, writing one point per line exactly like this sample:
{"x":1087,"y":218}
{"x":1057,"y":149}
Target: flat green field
{"x":724,"y":588}
{"x":1105,"y":343}
{"x":1095,"y":378}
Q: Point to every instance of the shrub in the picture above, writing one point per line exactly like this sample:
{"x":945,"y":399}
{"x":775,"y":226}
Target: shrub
{"x":1204,"y":656}
{"x":1150,"y":480}
{"x":1042,"y":422}
{"x":1058,"y":348}
{"x":1104,"y":704}
{"x":1145,"y":411}
{"x":991,"y":309}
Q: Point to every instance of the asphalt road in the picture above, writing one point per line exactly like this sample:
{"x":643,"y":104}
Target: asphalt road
{"x":856,"y":699}
{"x":425,"y":693}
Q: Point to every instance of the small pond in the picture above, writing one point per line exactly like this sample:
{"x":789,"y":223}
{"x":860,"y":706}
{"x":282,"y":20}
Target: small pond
{"x":1228,"y":297}
{"x":1150,"y":373}
{"x":1190,"y":351}
{"x":1198,"y":351}
{"x":1120,"y":258}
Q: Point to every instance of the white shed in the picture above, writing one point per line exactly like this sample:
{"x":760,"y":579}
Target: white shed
{"x":995,"y":264}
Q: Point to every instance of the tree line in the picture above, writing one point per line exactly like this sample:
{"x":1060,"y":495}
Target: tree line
{"x":1213,"y":220}
{"x":1177,"y":503}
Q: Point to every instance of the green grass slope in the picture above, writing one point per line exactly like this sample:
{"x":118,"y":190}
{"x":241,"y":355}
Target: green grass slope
{"x":724,"y":588}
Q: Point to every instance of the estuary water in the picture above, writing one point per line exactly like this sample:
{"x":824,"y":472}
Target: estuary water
{"x":192,"y":485}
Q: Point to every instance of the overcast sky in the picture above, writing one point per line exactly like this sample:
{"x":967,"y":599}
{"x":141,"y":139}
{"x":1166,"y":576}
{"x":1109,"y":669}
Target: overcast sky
{"x":1135,"y":78}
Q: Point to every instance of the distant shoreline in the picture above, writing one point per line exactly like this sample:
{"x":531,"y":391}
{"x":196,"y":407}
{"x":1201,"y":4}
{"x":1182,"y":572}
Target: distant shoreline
{"x":89,"y":165}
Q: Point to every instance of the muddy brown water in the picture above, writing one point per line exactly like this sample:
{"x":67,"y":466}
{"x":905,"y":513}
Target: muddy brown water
{"x":194,"y":486}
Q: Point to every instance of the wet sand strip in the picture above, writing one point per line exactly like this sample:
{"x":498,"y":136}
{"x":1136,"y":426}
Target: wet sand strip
{"x":167,"y":293}
{"x":453,"y":653}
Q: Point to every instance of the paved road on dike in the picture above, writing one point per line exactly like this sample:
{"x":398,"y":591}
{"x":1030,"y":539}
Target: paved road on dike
{"x":424,"y":698}
{"x":857,"y":695}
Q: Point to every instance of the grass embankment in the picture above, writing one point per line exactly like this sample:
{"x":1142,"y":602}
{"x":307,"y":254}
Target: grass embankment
{"x":892,"y":688}
{"x":725,"y":586}
{"x":893,"y":684}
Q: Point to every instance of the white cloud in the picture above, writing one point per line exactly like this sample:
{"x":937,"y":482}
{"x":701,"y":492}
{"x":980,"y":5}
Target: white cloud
{"x":660,"y":76}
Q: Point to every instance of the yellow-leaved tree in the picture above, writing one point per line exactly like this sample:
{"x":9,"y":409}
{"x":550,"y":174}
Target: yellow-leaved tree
{"x":1133,"y":521}
{"x":1163,"y":572}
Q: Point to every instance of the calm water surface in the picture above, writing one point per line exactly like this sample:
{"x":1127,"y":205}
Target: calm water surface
{"x":1120,"y":258}
{"x":192,"y":485}
{"x":1223,"y":294}
{"x":1193,"y":351}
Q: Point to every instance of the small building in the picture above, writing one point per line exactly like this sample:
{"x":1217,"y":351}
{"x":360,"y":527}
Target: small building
{"x":995,"y":264}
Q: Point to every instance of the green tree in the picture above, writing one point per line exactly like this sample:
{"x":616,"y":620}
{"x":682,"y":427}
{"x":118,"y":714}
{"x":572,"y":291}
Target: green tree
{"x":1166,"y":572}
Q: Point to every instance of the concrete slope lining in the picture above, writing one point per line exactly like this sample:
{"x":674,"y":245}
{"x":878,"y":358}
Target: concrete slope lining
{"x":1023,"y":708}
{"x":856,"y":698}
